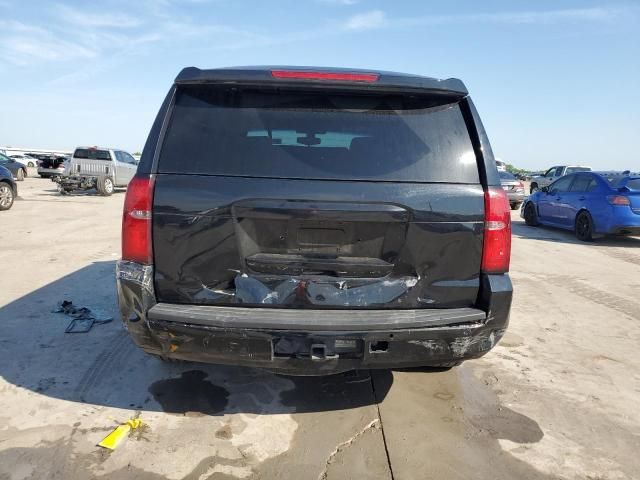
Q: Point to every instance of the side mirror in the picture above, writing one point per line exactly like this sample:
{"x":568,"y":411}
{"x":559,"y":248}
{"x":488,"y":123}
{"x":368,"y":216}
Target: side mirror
{"x":545,"y":189}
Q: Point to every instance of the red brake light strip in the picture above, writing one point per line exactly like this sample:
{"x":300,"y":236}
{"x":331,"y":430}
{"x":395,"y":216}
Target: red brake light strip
{"x":326,"y":76}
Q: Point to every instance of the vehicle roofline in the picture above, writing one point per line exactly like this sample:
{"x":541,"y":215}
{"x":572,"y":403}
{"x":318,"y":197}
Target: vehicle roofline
{"x":262,"y":75}
{"x":98,"y":147}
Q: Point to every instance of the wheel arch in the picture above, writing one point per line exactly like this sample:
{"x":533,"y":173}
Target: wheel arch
{"x":12,"y":185}
{"x":582,"y":209}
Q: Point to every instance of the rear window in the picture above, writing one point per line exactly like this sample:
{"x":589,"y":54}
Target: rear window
{"x":216,"y":131}
{"x":617,"y":181}
{"x":92,"y":154}
{"x":577,"y":169}
{"x":633,"y":184}
{"x":506,"y":176}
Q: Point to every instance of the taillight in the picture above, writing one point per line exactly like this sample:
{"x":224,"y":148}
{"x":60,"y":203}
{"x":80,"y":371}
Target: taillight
{"x":136,"y":221}
{"x":618,"y":200}
{"x":496,"y":250}
{"x":335,"y":76}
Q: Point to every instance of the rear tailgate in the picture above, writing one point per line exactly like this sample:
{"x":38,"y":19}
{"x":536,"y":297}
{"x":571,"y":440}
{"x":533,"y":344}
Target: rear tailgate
{"x":91,"y":162}
{"x":316,"y":199}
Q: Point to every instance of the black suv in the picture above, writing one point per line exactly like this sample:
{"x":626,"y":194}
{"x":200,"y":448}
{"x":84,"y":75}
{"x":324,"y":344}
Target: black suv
{"x":313,"y":221}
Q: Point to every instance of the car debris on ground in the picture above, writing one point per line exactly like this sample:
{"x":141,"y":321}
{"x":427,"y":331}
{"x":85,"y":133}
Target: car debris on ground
{"x":83,"y":317}
{"x":122,"y":431}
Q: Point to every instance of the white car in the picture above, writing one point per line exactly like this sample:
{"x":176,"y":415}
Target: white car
{"x":26,"y":160}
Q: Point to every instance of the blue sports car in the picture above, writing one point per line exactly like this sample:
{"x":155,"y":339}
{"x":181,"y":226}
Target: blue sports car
{"x":589,"y":203}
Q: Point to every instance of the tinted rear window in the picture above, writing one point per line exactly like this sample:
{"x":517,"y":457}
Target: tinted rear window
{"x":577,"y":169}
{"x":92,"y":154}
{"x":617,"y":181}
{"x":633,"y":184}
{"x":506,"y":176}
{"x":317,"y":136}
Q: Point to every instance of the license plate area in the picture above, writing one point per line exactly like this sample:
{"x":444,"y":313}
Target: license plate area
{"x":317,"y":348}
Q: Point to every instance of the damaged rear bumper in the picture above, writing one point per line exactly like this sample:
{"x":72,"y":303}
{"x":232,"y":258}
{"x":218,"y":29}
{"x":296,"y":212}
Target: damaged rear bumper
{"x":313,"y":341}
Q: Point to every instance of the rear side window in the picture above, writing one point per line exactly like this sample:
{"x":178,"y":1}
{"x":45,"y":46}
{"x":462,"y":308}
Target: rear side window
{"x":92,"y":154}
{"x":308,"y":135}
{"x":561,"y":185}
{"x":583,"y":183}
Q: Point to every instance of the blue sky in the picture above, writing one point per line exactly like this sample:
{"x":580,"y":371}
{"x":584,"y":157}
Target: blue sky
{"x":555,"y":81}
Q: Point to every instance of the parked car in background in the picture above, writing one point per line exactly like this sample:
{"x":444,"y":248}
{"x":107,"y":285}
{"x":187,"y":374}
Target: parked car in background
{"x":97,"y":167}
{"x":8,"y":189}
{"x":26,"y":160}
{"x":553,"y":174}
{"x":588,"y":203}
{"x":314,"y":221}
{"x":514,"y":189}
{"x":17,"y":169}
{"x":51,"y":166}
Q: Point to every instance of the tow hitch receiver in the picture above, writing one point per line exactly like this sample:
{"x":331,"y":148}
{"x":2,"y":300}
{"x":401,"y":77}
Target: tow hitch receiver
{"x":319,"y":352}
{"x":317,"y":349}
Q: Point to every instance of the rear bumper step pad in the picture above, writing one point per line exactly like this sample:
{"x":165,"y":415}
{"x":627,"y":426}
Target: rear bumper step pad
{"x":313,"y":320}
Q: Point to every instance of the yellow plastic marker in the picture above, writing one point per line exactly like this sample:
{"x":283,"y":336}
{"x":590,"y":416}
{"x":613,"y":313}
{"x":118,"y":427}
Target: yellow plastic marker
{"x":121,"y":432}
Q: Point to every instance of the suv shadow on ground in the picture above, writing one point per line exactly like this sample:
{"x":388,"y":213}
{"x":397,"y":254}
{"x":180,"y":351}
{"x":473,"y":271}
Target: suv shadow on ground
{"x":104,"y":367}
{"x":550,"y":234}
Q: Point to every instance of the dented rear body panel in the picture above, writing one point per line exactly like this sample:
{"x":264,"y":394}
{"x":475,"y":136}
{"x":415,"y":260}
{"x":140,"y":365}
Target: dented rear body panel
{"x":312,"y":227}
{"x":241,"y":241}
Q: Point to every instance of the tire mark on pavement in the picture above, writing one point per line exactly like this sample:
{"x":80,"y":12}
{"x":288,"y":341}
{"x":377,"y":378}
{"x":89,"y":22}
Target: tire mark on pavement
{"x":104,"y":362}
{"x":620,"y":304}
{"x":622,"y":255}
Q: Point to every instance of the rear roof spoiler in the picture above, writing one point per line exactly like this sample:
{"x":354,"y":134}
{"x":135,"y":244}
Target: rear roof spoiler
{"x":385,"y":81}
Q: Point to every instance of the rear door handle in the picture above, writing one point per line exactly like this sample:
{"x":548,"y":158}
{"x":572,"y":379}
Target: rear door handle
{"x":581,"y":198}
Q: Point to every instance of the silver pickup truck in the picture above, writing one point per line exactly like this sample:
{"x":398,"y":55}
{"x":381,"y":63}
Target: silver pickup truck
{"x":553,"y":174}
{"x":97,"y":167}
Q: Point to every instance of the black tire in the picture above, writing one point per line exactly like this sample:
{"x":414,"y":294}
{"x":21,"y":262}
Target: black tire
{"x":447,"y":365}
{"x":105,"y":186}
{"x":7,"y":196}
{"x":438,"y":367}
{"x":530,"y":215}
{"x":165,"y":359}
{"x":44,"y":175}
{"x":30,"y":164}
{"x":21,"y":174}
{"x":515,"y":206}
{"x":584,"y":227}
{"x":533,"y":188}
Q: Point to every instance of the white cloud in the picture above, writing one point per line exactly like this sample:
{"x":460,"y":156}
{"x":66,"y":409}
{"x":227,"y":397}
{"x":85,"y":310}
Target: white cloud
{"x":340,"y":2}
{"x":85,"y":19}
{"x":365,"y":21}
{"x":592,"y":14}
{"x":23,"y":44}
{"x":596,"y":14}
{"x":377,"y":18}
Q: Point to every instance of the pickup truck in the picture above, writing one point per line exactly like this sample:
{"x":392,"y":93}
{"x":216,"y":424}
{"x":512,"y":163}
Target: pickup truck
{"x":101,"y":168}
{"x":554,"y":173}
{"x":311,"y":221}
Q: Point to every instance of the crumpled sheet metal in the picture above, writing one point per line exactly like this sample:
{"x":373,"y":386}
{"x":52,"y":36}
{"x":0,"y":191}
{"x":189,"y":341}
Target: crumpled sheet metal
{"x":321,"y":291}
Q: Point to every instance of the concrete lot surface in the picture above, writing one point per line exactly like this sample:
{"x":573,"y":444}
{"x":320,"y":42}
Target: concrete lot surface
{"x":559,"y":397}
